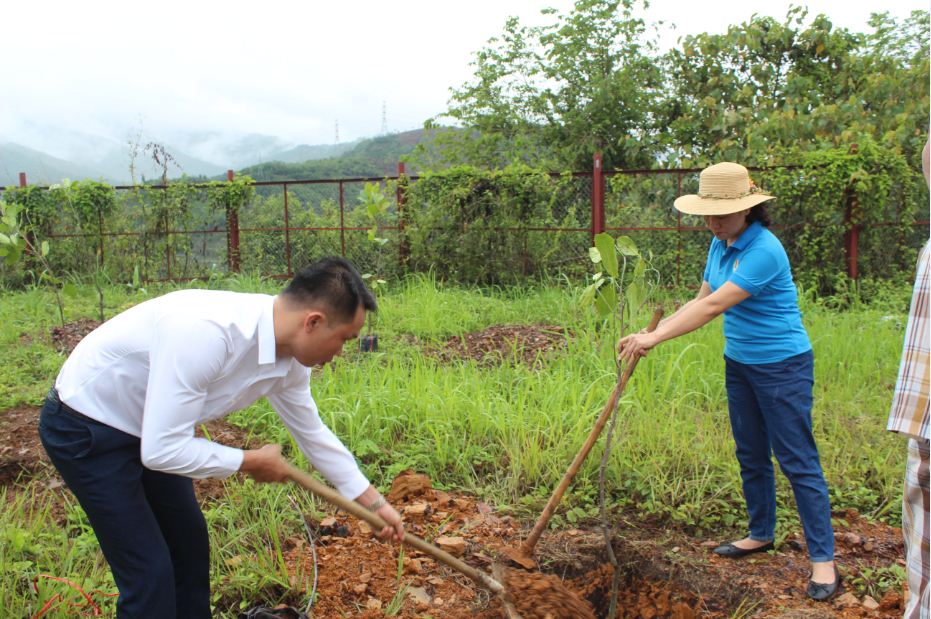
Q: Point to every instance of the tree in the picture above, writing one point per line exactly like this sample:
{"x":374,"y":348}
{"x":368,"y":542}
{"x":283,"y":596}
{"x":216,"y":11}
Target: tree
{"x":559,"y":92}
{"x":766,"y":88}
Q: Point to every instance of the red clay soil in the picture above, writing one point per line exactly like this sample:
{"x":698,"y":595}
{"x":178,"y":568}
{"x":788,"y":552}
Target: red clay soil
{"x":664,"y":573}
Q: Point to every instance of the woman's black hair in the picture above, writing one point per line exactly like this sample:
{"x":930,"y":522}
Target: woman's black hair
{"x":758,"y":213}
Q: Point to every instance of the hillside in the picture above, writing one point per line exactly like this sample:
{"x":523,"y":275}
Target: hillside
{"x":372,"y":157}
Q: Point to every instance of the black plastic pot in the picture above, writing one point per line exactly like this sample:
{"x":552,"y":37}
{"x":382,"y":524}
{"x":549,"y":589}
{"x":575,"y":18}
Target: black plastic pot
{"x":368,"y":343}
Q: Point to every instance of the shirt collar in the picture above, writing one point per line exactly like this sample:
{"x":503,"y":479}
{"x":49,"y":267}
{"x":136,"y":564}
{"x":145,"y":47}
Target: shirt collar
{"x":747,"y":236}
{"x":266,"y":333}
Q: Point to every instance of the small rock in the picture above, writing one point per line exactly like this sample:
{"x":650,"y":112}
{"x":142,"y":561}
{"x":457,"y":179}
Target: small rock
{"x":852,"y":538}
{"x":869,"y":603}
{"x":676,"y":549}
{"x":869,"y":546}
{"x":364,"y":527}
{"x":483,"y":508}
{"x":710,"y":544}
{"x":891,"y":601}
{"x":438,"y":601}
{"x":365,"y":577}
{"x":453,"y":545}
{"x":847,"y":599}
{"x":417,"y":509}
{"x":413,"y":566}
{"x":435,"y":580}
{"x":360,"y":588}
{"x":420,"y":596}
{"x":373,"y":604}
{"x":328,"y":523}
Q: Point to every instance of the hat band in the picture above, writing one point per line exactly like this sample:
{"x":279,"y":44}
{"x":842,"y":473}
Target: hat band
{"x":727,"y":196}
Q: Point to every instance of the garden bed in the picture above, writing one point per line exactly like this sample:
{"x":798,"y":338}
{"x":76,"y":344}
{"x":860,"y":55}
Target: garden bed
{"x":665,"y":573}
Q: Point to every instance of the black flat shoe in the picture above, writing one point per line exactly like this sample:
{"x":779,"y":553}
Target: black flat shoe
{"x":733,"y":552}
{"x":821,"y":591}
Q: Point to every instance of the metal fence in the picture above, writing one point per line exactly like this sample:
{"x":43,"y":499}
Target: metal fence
{"x":289,"y":223}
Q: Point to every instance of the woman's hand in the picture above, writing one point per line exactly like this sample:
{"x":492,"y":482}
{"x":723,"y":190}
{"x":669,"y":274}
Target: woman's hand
{"x":636,"y":345}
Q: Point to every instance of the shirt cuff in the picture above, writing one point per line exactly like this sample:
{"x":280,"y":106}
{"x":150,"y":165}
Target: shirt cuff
{"x":352,"y":488}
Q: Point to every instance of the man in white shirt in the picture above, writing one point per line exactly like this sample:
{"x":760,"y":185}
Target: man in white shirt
{"x":119,"y":423}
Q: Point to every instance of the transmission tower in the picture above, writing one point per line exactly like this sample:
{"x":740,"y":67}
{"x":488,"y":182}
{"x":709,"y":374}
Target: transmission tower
{"x":337,"y":131}
{"x":384,"y":119}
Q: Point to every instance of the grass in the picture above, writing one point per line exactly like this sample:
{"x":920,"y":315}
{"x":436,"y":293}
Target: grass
{"x":506,"y":433}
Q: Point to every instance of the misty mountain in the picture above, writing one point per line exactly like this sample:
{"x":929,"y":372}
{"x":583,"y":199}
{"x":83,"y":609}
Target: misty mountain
{"x":366,"y":158}
{"x":40,"y":168}
{"x":75,"y":155}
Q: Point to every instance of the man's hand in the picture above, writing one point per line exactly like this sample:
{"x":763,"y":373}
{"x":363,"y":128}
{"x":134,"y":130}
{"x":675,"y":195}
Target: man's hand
{"x":372,"y":500}
{"x":395,"y":530}
{"x":265,"y":464}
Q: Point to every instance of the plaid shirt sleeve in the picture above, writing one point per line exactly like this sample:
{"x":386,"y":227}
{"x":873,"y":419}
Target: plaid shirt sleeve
{"x":909,"y":414}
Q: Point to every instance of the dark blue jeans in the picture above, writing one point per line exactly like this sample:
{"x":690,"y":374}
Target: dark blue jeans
{"x":770,"y":411}
{"x":149,"y":525}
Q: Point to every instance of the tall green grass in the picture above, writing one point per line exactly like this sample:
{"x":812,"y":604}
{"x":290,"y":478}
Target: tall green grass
{"x":505,"y":432}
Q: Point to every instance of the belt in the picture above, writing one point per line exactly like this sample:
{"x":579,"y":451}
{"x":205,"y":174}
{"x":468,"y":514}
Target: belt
{"x":54,"y":399}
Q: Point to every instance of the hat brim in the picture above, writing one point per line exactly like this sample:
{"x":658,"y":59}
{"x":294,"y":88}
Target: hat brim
{"x":696,"y":205}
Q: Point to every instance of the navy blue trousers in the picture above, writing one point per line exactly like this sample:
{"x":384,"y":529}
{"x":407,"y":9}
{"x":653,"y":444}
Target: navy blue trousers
{"x":149,"y":525}
{"x":770,"y":410}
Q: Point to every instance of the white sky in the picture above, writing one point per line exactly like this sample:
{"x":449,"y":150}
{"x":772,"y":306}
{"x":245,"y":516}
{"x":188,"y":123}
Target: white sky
{"x":291,"y":69}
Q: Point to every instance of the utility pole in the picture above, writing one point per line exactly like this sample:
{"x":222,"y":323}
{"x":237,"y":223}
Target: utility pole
{"x":336,"y":140}
{"x":384,"y":118}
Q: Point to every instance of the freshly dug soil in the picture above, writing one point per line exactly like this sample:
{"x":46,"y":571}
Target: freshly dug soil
{"x":527,"y":344}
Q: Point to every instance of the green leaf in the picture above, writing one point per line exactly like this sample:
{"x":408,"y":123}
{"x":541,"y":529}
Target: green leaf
{"x":44,"y":248}
{"x":594,"y":254}
{"x":606,"y":300}
{"x":626,"y":246}
{"x":588,"y":294}
{"x":605,"y":245}
{"x":70,"y":290}
{"x":5,"y":240}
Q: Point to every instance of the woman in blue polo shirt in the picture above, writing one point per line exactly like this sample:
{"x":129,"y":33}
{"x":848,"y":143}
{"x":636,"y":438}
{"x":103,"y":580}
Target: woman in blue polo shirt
{"x":768,"y":361}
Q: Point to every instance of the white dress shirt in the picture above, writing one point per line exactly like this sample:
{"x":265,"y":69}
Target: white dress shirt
{"x":160,"y":368}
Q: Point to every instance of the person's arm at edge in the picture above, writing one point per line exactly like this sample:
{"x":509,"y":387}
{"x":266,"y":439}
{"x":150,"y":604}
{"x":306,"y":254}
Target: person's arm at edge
{"x":691,"y":316}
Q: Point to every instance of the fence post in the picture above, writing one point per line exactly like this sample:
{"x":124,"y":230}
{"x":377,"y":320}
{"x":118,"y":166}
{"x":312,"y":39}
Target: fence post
{"x":30,"y":236}
{"x":287,"y":232}
{"x":851,"y":230}
{"x":403,"y":248}
{"x":342,"y":220}
{"x":598,"y":207}
{"x":851,"y":237}
{"x":232,"y":233}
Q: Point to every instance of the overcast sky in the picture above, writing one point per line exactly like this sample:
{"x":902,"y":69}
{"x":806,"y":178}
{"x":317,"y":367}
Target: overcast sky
{"x":290,"y":69}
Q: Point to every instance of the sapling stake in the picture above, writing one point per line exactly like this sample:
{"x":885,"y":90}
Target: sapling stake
{"x":523,"y":555}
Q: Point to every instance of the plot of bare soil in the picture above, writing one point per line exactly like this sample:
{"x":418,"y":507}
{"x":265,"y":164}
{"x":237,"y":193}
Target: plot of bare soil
{"x":528,"y":344}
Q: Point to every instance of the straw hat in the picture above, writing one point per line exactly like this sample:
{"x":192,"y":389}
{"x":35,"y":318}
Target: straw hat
{"x":723,"y":188}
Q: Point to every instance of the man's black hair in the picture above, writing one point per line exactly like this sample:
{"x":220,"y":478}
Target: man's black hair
{"x":334,"y":283}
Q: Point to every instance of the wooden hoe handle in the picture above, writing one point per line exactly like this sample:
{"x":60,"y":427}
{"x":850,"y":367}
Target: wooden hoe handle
{"x":543,"y":520}
{"x":335,"y":498}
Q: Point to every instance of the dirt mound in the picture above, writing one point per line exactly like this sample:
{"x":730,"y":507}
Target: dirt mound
{"x":528,"y":344}
{"x":65,"y":338}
